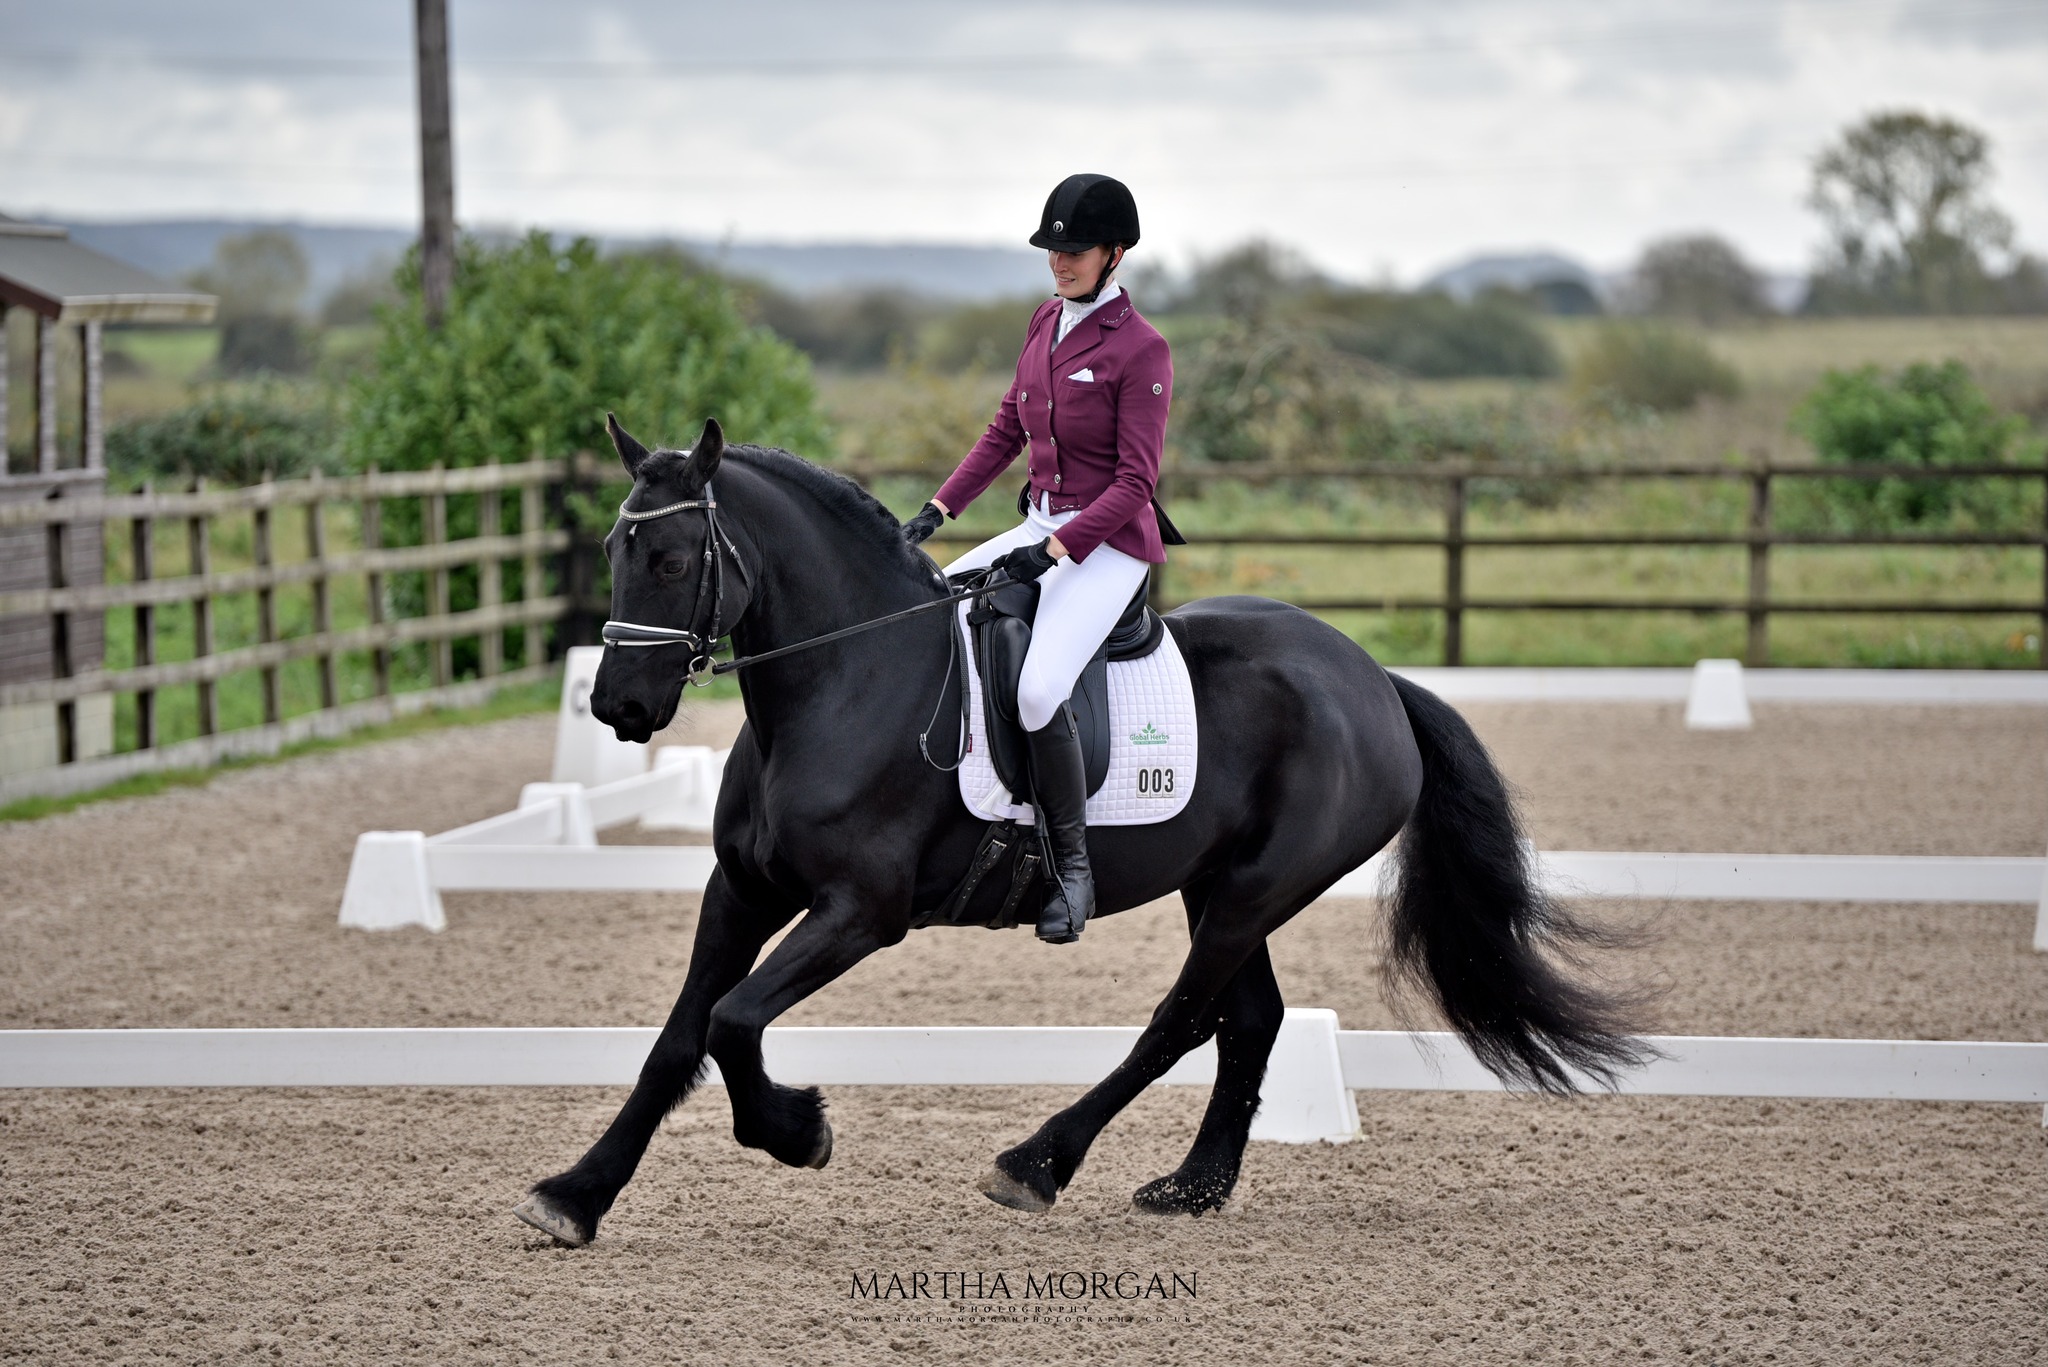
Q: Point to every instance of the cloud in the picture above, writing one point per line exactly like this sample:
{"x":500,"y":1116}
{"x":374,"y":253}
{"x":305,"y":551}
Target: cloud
{"x":1394,"y":135}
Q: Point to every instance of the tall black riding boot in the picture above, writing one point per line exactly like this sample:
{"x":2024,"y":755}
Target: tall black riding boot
{"x":1060,"y":784}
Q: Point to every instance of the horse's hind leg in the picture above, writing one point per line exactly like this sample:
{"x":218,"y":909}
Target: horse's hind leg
{"x":730,"y":934}
{"x":1031,"y":1175}
{"x":1248,"y":1015}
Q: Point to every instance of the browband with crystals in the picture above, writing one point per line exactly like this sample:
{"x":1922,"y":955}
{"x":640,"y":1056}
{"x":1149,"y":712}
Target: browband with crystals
{"x":685,"y":505}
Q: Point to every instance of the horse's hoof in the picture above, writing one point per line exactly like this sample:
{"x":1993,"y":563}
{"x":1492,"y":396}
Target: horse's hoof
{"x":1165,"y":1196}
{"x":821,"y":1155}
{"x":1006,"y":1190}
{"x":545,"y":1215}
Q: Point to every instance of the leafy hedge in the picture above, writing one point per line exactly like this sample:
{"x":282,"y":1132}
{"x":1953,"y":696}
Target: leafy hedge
{"x":231,"y":436}
{"x":541,"y":339}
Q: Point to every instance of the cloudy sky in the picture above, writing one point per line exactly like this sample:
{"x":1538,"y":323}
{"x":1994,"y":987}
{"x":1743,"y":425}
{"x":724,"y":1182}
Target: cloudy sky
{"x":1383,"y":138}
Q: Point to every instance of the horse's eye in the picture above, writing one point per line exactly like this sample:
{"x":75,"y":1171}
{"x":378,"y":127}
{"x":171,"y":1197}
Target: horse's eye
{"x":673,"y":566}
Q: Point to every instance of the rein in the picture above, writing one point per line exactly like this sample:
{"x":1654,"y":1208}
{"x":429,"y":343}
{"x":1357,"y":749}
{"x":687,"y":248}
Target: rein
{"x":703,"y":669}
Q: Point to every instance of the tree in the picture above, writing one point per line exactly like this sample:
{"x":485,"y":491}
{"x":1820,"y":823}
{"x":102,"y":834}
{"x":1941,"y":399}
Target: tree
{"x":540,"y":339}
{"x":263,"y":273}
{"x":260,"y":278}
{"x":1903,"y":198}
{"x":1244,"y":281}
{"x":1700,"y":277}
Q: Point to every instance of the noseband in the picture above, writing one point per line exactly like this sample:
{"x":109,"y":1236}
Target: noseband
{"x":716,"y":547}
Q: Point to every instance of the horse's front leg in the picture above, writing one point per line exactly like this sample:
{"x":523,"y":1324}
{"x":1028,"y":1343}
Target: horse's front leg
{"x":730,"y":933}
{"x":842,"y":928}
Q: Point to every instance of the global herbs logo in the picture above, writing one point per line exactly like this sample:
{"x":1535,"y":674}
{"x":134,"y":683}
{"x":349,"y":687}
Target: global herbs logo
{"x":1151,"y":735}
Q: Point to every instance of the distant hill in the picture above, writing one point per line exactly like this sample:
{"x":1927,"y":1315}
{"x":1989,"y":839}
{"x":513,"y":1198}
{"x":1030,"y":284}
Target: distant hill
{"x":174,"y":247}
{"x":1519,"y":271}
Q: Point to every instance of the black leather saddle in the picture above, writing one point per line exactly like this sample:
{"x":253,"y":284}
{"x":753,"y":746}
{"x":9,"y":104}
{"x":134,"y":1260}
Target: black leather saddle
{"x":999,"y":625}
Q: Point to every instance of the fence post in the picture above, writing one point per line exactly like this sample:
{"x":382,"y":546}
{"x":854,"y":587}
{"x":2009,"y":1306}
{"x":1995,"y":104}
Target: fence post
{"x":266,"y":601}
{"x":532,"y":518}
{"x":199,"y":552}
{"x":323,"y":605}
{"x":489,"y":589}
{"x":1759,"y":652}
{"x":580,"y":628}
{"x":143,"y":551}
{"x":437,"y":583}
{"x":373,"y":586}
{"x":1454,"y":573}
{"x":56,"y":543}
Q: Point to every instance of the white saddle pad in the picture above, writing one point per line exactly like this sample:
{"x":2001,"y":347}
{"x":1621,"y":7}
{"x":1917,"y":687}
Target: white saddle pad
{"x":1151,"y":752}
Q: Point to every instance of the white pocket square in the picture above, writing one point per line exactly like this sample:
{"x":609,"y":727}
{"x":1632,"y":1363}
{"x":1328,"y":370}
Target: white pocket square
{"x":1084,"y":376}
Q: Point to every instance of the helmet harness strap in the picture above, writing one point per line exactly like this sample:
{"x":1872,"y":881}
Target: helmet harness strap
{"x":1116,"y":258}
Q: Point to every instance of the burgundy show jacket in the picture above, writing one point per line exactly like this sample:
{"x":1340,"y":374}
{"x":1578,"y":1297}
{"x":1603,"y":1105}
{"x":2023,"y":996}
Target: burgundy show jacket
{"x":1094,"y":443}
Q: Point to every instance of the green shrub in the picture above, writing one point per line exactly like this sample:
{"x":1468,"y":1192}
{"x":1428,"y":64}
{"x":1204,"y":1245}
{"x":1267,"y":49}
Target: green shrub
{"x":1245,"y":393}
{"x":230,"y":436}
{"x":1650,"y":366}
{"x":1930,"y":415}
{"x":265,"y":344}
{"x":541,"y":340}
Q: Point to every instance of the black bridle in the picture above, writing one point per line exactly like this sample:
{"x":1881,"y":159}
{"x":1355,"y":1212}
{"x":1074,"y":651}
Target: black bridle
{"x":717,"y":545}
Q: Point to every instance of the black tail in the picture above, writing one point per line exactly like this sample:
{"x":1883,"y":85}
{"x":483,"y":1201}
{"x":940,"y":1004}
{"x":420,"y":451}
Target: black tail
{"x":1470,"y":925}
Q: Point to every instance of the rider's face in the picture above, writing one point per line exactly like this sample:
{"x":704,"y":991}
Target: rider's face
{"x":1075,"y":273}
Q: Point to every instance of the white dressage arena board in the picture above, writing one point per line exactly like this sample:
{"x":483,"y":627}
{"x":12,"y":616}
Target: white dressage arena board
{"x":1151,"y":753}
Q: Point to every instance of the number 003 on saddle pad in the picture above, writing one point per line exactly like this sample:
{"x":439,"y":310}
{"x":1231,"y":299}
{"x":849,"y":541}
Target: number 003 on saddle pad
{"x":1151,"y":753}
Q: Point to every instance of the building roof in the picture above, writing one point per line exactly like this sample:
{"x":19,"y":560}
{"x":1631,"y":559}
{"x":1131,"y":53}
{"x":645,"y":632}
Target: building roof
{"x":44,"y":271}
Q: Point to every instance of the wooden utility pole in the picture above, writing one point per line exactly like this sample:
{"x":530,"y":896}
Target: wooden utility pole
{"x":437,"y":159}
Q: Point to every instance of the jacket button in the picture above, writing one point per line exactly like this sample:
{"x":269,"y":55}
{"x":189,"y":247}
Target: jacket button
{"x":1158,"y":389}
{"x":1055,"y":479}
{"x":1025,"y":395}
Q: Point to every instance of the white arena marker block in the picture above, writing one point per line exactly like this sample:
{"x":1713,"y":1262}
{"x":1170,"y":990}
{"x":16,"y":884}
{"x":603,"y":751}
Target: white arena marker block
{"x":586,"y":751}
{"x":388,"y":884}
{"x":2041,"y":933}
{"x":577,"y":826}
{"x":1718,"y":701}
{"x":702,"y":770}
{"x":1304,"y":1098}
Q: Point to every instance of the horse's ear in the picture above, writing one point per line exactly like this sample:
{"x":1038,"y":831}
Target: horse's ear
{"x":630,"y":451}
{"x":705,"y":455}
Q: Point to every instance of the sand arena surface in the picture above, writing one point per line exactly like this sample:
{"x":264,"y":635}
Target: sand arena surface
{"x":370,"y":1226}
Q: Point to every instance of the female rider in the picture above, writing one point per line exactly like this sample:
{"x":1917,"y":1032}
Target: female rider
{"x":1089,"y":401}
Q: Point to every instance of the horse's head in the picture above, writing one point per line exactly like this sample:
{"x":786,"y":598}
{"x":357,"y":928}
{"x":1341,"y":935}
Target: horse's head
{"x":677,"y":584}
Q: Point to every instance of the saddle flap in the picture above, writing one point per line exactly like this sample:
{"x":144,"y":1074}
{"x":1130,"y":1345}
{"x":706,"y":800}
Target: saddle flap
{"x":999,"y":625}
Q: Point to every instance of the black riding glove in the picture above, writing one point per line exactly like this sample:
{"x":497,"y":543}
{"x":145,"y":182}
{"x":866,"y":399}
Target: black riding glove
{"x":1026,"y":563}
{"x":928,"y":520}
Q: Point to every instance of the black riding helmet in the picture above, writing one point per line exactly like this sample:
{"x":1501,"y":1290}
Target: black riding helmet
{"x":1086,"y":211}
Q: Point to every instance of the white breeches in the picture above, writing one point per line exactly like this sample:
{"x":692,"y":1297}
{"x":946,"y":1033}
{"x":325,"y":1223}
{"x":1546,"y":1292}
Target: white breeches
{"x":1078,"y":604}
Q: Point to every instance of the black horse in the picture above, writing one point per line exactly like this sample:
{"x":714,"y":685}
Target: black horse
{"x":1313,"y":758}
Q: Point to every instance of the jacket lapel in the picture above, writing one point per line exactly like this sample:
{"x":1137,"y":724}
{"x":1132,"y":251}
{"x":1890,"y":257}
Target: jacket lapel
{"x":1088,"y":334}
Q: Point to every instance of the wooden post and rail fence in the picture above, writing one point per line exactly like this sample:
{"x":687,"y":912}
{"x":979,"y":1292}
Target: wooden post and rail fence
{"x":1456,"y":541}
{"x":56,"y":605}
{"x":47,"y":685}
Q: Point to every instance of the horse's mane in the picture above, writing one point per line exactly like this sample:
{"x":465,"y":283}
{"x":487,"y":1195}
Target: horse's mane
{"x":847,"y":501}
